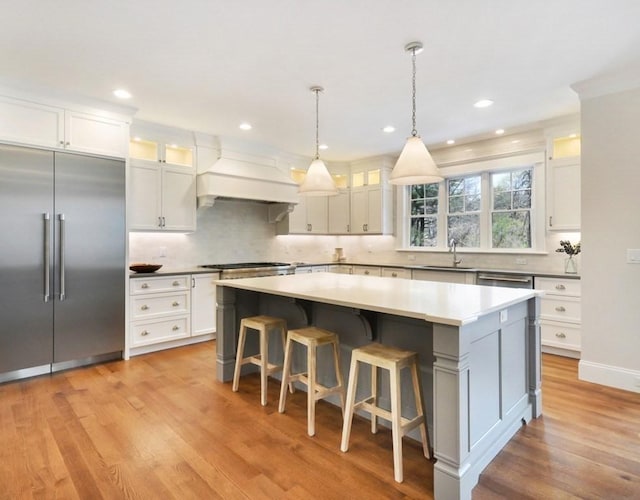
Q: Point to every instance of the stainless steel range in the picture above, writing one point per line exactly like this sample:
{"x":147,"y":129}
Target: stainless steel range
{"x":251,"y":269}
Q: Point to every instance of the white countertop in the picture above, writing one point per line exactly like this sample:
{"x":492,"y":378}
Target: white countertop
{"x":446,"y":303}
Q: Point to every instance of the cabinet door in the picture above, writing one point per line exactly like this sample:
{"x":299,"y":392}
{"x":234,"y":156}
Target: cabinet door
{"x":563,"y":194}
{"x":24,"y":122}
{"x":367,"y":271}
{"x":203,"y":304}
{"x":339,"y":213}
{"x":144,"y":197}
{"x":298,"y":218}
{"x":374,"y":210}
{"x":178,"y":200}
{"x":318,"y":214}
{"x":359,"y":210}
{"x":95,"y":134}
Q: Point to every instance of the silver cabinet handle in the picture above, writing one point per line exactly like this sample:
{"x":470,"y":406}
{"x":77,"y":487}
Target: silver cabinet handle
{"x":61,"y":143}
{"x":193,"y":282}
{"x":366,"y":272}
{"x":144,"y":285}
{"x":163,"y":222}
{"x":159,"y":221}
{"x":560,"y":287}
{"x":175,"y":304}
{"x":47,"y":255}
{"x":560,"y":309}
{"x":561,"y":335}
{"x":394,"y":275}
{"x":175,"y":328}
{"x":144,"y":307}
{"x":176,"y":283}
{"x":144,"y":332}
{"x":62,"y":257}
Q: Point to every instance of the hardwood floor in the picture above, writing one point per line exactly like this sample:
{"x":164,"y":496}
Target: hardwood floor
{"x":160,"y":426}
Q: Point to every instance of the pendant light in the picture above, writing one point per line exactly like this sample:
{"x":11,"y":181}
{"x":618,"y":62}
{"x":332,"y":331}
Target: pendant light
{"x":318,"y":181}
{"x":415,"y":165}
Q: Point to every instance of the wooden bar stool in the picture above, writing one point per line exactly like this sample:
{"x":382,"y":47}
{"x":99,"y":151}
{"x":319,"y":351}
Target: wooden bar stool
{"x":264,"y":325}
{"x":311,"y":337}
{"x":394,"y":360}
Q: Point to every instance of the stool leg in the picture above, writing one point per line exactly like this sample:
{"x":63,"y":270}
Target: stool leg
{"x":264,"y":364}
{"x":339,"y":379}
{"x":311,"y":390}
{"x":396,"y":429}
{"x":351,"y":396}
{"x":283,"y":334}
{"x":286,"y":373}
{"x":417,"y":391}
{"x":239,"y":356}
{"x":374,"y":397}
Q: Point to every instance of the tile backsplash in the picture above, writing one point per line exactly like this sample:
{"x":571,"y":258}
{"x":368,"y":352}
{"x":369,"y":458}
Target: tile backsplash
{"x":239,"y":231}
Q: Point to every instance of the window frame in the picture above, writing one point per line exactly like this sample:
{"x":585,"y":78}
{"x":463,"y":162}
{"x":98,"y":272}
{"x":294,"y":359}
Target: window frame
{"x":534,"y":160}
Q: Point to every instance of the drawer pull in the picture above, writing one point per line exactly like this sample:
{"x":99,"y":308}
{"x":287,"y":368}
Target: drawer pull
{"x":144,"y":332}
{"x":560,"y":287}
{"x":145,"y":285}
{"x":366,"y":272}
{"x":144,"y":307}
{"x":561,"y":335}
{"x":394,"y":275}
{"x":560,"y":309}
{"x":175,"y":304}
{"x":176,"y":283}
{"x":175,"y":328}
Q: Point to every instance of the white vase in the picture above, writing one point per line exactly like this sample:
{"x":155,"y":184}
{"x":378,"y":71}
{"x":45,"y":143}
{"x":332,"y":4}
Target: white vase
{"x":570,"y":265}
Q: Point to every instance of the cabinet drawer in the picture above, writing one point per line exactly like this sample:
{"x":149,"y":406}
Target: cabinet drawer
{"x":159,"y":304}
{"x":559,"y":286}
{"x":150,"y":332}
{"x":558,"y":334}
{"x":391,"y":272}
{"x":164,"y":284}
{"x":366,"y":271}
{"x":560,"y":308}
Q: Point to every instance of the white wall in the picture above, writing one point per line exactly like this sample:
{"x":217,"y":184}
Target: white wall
{"x":610,"y":225}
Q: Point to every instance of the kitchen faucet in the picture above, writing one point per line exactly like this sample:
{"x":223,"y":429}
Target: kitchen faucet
{"x":452,"y":247}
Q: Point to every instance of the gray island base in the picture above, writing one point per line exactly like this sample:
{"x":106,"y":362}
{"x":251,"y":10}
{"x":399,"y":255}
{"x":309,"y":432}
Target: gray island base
{"x":479,"y":352}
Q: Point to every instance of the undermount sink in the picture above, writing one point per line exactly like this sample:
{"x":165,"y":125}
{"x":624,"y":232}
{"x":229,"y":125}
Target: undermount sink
{"x":447,"y":268}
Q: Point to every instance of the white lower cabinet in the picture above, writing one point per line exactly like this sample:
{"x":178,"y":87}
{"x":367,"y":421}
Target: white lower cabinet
{"x":203,"y":303}
{"x":168,"y":311}
{"x":468,"y":278}
{"x":367,"y":270}
{"x":560,"y":316}
{"x":396,"y":272}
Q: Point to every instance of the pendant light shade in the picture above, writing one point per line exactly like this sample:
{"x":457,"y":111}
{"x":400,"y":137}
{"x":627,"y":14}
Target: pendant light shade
{"x":415,"y":165}
{"x":318,"y":181}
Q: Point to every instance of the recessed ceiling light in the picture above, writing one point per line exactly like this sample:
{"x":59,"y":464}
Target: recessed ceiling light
{"x":500,"y":131}
{"x":483,"y":103}
{"x":323,"y":146}
{"x":122,"y":94}
{"x":245,"y":126}
{"x":573,"y":136}
{"x":389,"y":128}
{"x":451,"y":141}
{"x":515,"y":141}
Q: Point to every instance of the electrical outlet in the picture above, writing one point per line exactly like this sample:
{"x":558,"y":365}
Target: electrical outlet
{"x":162,"y":252}
{"x":504,"y":316}
{"x":521,"y":261}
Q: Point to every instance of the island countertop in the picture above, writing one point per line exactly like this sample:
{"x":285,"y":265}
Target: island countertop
{"x":445,"y":303}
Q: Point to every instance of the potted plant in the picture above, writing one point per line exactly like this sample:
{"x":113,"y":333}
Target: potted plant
{"x":570,"y":265}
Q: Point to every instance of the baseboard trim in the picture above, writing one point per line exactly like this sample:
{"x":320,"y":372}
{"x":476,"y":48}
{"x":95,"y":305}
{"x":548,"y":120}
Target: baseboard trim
{"x":612,"y":376}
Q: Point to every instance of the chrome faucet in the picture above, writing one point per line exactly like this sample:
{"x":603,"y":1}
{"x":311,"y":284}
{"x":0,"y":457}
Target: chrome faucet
{"x":452,"y":248}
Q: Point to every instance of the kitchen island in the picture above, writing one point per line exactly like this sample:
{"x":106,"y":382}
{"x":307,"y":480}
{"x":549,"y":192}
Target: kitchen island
{"x":479,"y":351}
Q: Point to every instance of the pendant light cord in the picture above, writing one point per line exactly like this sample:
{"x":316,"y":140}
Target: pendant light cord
{"x":414,"y":132}
{"x":317,"y":91}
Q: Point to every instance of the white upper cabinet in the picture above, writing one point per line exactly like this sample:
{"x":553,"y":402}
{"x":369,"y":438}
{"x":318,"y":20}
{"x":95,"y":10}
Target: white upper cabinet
{"x":162,"y":182}
{"x":563,"y":183}
{"x":310,"y":216}
{"x":339,"y":213}
{"x":371,"y":200}
{"x":30,"y":123}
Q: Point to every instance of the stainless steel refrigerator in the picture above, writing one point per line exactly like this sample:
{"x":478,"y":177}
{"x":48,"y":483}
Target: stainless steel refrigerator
{"x":62,"y":260}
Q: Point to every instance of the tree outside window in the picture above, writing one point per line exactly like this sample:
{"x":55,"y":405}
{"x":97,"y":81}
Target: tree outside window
{"x":424,"y":215}
{"x":511,"y":209}
{"x":464,"y":196}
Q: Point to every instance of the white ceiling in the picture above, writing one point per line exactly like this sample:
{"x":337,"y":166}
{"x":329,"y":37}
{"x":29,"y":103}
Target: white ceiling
{"x":208,"y":65}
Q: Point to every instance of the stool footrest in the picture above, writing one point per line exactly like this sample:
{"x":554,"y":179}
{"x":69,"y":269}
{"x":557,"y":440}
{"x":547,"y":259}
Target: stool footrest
{"x":257,"y":360}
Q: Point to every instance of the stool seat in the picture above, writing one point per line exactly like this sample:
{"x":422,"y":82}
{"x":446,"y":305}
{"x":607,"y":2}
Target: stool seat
{"x":312,"y":337}
{"x":264,"y":325}
{"x":394,"y":360}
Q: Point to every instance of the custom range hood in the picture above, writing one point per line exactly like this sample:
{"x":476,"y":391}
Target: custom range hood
{"x":234,"y":175}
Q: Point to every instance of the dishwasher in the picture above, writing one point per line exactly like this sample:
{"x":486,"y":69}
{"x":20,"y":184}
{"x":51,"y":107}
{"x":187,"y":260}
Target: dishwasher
{"x":505,"y":280}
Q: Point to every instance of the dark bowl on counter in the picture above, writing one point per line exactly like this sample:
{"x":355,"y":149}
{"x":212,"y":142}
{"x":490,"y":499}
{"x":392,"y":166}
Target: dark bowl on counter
{"x":145,"y":268}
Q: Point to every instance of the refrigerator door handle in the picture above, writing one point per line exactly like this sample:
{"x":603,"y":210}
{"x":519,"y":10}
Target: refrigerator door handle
{"x":47,"y":255}
{"x":62,"y":256}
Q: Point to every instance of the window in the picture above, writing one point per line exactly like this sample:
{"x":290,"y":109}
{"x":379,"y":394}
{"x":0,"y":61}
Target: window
{"x":485,"y":210}
{"x":424,"y":215}
{"x":511,"y":209}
